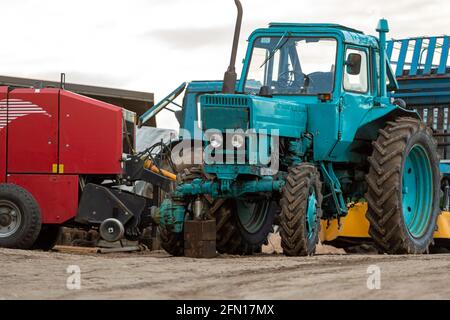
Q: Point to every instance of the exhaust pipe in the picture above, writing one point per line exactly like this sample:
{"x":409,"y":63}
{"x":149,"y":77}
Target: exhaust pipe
{"x":230,"y":78}
{"x":383,"y":29}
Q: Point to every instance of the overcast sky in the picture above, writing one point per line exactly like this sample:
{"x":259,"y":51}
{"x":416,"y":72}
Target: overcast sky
{"x":154,"y":45}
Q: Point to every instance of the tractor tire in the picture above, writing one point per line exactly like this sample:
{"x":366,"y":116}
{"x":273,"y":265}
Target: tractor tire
{"x":403,"y":188}
{"x":234,"y":236}
{"x":173,"y":242}
{"x":48,"y":237}
{"x":301,"y":210}
{"x":20,"y":218}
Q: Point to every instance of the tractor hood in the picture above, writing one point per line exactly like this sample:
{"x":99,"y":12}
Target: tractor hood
{"x":237,"y":111}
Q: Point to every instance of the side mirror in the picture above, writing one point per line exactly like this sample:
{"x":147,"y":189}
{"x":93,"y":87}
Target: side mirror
{"x":353,"y":64}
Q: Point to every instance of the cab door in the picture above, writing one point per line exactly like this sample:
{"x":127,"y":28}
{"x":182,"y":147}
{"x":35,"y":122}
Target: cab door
{"x":357,"y":97}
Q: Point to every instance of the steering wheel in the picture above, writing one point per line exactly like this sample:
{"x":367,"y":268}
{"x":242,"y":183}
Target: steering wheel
{"x":290,"y":80}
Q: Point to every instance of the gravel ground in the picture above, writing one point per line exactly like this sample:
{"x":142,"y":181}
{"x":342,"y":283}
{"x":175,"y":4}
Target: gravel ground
{"x":155,"y":275}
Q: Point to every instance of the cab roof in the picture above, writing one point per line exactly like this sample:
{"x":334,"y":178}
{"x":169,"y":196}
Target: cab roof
{"x":350,"y":35}
{"x":313,"y":25}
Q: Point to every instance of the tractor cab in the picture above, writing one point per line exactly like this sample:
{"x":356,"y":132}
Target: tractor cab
{"x":315,"y":60}
{"x":290,"y":65}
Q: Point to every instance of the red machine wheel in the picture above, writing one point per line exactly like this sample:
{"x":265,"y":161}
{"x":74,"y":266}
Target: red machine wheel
{"x":20,"y":218}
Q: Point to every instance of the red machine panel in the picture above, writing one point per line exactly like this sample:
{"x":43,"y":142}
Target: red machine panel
{"x":57,"y":195}
{"x":90,"y":135}
{"x":3,"y":124}
{"x":32,"y":130}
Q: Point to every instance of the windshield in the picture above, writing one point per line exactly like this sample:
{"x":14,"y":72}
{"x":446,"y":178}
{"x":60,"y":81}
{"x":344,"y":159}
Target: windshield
{"x":292,"y":65}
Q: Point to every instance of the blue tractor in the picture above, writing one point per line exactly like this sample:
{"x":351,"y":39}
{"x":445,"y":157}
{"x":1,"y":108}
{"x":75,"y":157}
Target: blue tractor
{"x":309,"y":127}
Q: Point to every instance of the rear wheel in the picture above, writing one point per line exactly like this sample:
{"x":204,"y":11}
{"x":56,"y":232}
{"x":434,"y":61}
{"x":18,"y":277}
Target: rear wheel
{"x":243,"y":226}
{"x":403,"y":188}
{"x":301,"y":210}
{"x":20,"y":218}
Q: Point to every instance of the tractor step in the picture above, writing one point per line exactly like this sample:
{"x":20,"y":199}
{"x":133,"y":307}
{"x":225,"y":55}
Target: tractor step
{"x":200,"y":239}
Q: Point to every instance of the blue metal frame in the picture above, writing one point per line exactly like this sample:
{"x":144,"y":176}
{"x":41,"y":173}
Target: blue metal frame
{"x":423,"y":84}
{"x":425,"y":48}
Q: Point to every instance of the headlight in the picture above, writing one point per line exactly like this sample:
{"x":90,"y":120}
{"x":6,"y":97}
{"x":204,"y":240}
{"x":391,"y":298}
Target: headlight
{"x":237,"y":141}
{"x":216,"y":140}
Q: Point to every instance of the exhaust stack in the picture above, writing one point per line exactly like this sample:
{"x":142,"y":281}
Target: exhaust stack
{"x":230,"y":78}
{"x":383,"y":29}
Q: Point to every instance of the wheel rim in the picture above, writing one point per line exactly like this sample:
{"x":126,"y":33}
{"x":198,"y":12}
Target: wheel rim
{"x":10,"y":218}
{"x":252,"y":216}
{"x":311,"y":212}
{"x":417,"y":190}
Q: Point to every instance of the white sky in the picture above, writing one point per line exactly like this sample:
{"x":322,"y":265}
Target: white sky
{"x":154,"y":45}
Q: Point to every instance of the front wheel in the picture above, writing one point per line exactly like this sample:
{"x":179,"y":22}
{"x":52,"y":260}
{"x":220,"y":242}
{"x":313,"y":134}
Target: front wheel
{"x":301,"y":210}
{"x":172,"y":242}
{"x":20,"y":218}
{"x":242,"y":226}
{"x":403,"y":188}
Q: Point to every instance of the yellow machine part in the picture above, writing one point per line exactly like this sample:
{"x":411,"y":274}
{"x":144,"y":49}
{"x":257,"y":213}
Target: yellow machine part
{"x":355,"y":225}
{"x":150,"y":166}
{"x":443,"y":231}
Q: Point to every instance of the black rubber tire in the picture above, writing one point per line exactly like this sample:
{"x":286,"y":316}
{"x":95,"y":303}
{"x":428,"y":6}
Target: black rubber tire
{"x":48,"y":237}
{"x":30,"y":226}
{"x":300,"y":182}
{"x":233,"y":238}
{"x":173,"y":242}
{"x":384,"y":195}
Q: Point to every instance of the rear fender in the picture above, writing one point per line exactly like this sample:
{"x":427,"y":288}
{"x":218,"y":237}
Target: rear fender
{"x":376,"y":119}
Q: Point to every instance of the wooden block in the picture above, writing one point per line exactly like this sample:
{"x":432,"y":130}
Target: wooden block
{"x":200,"y":239}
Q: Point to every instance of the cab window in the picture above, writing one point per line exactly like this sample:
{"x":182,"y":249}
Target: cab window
{"x":289,"y":65}
{"x":356,"y":77}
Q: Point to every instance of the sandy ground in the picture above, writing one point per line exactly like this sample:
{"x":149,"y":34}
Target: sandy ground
{"x":155,"y":275}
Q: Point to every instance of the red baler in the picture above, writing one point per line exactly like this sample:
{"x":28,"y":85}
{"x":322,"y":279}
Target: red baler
{"x":63,"y":160}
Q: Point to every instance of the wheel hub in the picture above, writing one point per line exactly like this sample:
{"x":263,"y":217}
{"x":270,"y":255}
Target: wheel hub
{"x":311,"y":212}
{"x":252,"y":216}
{"x":5,"y":220}
{"x":417,"y":190}
{"x":10,"y":218}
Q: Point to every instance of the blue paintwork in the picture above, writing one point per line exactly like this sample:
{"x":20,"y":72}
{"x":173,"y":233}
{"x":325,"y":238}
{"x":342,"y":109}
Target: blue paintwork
{"x":444,"y":57}
{"x":286,"y":116}
{"x":228,"y":188}
{"x":444,"y":167}
{"x":401,"y":59}
{"x":420,"y":82}
{"x":383,"y":29}
{"x":417,"y":188}
{"x":172,"y":215}
{"x":311,"y":215}
{"x":416,"y":56}
{"x":430,"y":55}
